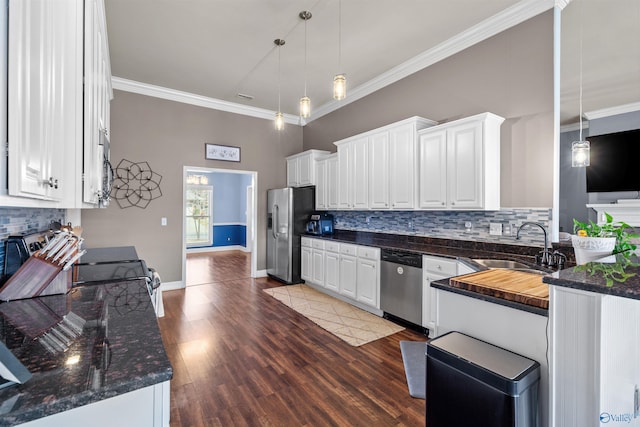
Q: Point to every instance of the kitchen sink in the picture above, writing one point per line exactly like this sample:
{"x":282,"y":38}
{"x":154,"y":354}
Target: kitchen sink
{"x":501,"y":263}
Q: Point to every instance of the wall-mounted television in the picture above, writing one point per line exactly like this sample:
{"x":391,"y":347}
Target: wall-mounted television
{"x":615,"y":162}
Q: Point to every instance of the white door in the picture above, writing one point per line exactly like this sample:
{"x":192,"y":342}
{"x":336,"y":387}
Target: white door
{"x":360,"y":175}
{"x":348,"y":271}
{"x":317,"y":261}
{"x":332,"y":182}
{"x":379,"y":171}
{"x":332,"y":271}
{"x":321,"y":185}
{"x":464,"y":166}
{"x":367,"y":282}
{"x":344,"y":175}
{"x":402,"y":160}
{"x":306,"y":267}
{"x":432,"y":147}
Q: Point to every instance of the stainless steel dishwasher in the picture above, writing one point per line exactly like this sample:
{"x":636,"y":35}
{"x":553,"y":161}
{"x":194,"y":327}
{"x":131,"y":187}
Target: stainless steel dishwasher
{"x":401,"y":284}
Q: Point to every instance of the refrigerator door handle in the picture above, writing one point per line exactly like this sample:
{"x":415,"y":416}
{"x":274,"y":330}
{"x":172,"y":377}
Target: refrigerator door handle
{"x":276,"y":225}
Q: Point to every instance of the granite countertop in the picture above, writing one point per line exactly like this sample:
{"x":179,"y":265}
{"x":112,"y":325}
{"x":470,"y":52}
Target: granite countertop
{"x":113,"y":346}
{"x":596,"y":277}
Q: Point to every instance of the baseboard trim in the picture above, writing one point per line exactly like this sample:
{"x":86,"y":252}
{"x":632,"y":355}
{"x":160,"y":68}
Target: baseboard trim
{"x":171,"y":286}
{"x":217,"y":249}
{"x":261,"y":273}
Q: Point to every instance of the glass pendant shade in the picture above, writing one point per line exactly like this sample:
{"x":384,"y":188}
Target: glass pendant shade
{"x":279,"y":122}
{"x":339,"y":87}
{"x":580,"y":154}
{"x":305,"y":107}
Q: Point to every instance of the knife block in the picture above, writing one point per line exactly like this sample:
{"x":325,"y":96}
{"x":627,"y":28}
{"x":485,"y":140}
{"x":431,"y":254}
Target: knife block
{"x":36,"y":277}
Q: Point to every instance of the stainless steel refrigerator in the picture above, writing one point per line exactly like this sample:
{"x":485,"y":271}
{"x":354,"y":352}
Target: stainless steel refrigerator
{"x":288,"y":211}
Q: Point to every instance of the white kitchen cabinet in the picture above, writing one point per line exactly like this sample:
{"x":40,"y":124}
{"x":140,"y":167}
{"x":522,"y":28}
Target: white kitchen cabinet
{"x":306,"y":268}
{"x":97,"y":99}
{"x":59,"y":81}
{"x":321,"y":184}
{"x":594,"y":348}
{"x":368,"y":276}
{"x":345,"y":171}
{"x":402,"y":166}
{"x":301,"y":168}
{"x":460,"y":164}
{"x":332,"y":181}
{"x":353,"y":173}
{"x":379,"y":170}
{"x":434,"y":268}
{"x":332,"y":266}
{"x":348,"y":270}
{"x":317,"y":262}
{"x":44,"y":98}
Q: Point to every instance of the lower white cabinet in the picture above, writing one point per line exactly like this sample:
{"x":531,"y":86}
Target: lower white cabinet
{"x":306,"y":268}
{"x":346,"y":269}
{"x":434,"y":268}
{"x":317,"y":261}
{"x":368,"y":276}
{"x":332,"y":266}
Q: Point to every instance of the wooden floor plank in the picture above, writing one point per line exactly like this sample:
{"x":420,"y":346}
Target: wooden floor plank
{"x":242,"y":358}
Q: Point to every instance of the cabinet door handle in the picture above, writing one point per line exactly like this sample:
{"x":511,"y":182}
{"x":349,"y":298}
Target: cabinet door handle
{"x":51,"y":182}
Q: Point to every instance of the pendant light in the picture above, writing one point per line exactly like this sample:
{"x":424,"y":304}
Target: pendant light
{"x":580,"y":150}
{"x":279,"y":121}
{"x":305,"y":102}
{"x":340,"y":80}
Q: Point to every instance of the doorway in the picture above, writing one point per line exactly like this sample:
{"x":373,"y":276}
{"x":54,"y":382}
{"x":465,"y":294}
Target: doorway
{"x":228,"y":228}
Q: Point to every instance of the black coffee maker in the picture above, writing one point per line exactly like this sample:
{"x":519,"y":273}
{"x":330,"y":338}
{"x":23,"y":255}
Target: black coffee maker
{"x":320,"y":224}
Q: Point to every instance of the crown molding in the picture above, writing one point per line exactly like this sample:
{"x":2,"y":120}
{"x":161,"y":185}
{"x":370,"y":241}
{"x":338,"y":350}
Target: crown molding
{"x":573,"y":127}
{"x":510,"y":17}
{"x":612,"y":111}
{"x":198,"y":100}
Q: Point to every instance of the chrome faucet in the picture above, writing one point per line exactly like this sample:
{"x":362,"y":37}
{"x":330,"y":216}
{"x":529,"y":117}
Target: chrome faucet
{"x":546,"y":255}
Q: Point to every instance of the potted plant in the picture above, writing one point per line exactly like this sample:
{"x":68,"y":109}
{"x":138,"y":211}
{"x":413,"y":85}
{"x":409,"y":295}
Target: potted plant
{"x":593,"y":241}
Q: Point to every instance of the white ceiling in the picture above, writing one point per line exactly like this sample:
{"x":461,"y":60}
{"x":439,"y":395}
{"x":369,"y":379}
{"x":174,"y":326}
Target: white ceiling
{"x":221,"y":48}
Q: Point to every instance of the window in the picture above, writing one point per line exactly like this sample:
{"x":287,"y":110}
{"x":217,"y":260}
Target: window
{"x":198,"y":217}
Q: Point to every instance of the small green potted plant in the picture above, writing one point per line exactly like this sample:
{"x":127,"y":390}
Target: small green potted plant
{"x":593,"y":241}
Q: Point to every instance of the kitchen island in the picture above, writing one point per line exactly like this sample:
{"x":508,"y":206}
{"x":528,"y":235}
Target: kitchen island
{"x":96,"y":356}
{"x":595,"y":344}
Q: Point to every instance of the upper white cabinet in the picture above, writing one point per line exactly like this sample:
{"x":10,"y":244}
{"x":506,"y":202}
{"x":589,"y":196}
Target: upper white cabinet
{"x":301,"y":168}
{"x":327,"y":182}
{"x":58,"y":59}
{"x":97,"y":98}
{"x":353,"y":173}
{"x":460,"y":164}
{"x":44,"y":97}
{"x":377,"y":169}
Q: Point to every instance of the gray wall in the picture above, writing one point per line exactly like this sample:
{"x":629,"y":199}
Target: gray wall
{"x":510,"y":74}
{"x":170,"y":135}
{"x":573,"y":181}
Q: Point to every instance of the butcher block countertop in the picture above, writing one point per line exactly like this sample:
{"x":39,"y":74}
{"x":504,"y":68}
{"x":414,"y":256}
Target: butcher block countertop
{"x":511,"y":285}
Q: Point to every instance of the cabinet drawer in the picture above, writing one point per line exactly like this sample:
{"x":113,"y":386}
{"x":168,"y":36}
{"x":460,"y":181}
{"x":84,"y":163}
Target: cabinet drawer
{"x":368,"y":252}
{"x":332,"y":246}
{"x":441,"y":266}
{"x":348,"y":249}
{"x":317,"y":244}
{"x":305,"y":242}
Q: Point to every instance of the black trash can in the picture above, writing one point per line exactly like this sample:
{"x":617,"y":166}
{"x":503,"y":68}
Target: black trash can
{"x":473,"y":383}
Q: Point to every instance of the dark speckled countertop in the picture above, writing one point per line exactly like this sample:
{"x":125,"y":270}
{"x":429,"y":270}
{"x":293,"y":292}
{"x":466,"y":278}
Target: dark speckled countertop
{"x":593,"y":277}
{"x":119,"y":348}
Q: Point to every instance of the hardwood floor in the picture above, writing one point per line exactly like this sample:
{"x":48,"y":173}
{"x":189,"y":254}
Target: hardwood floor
{"x":210,"y":267}
{"x":241,"y":358}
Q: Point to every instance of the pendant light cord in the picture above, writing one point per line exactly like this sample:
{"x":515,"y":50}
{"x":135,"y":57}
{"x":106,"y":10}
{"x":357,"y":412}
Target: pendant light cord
{"x":305,"y":56}
{"x":340,"y":36}
{"x":580,"y":95}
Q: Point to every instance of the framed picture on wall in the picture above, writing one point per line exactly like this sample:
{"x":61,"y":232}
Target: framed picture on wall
{"x":221,"y":152}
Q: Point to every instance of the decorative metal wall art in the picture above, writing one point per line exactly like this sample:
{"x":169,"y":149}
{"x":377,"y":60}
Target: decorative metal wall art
{"x":135,"y":184}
